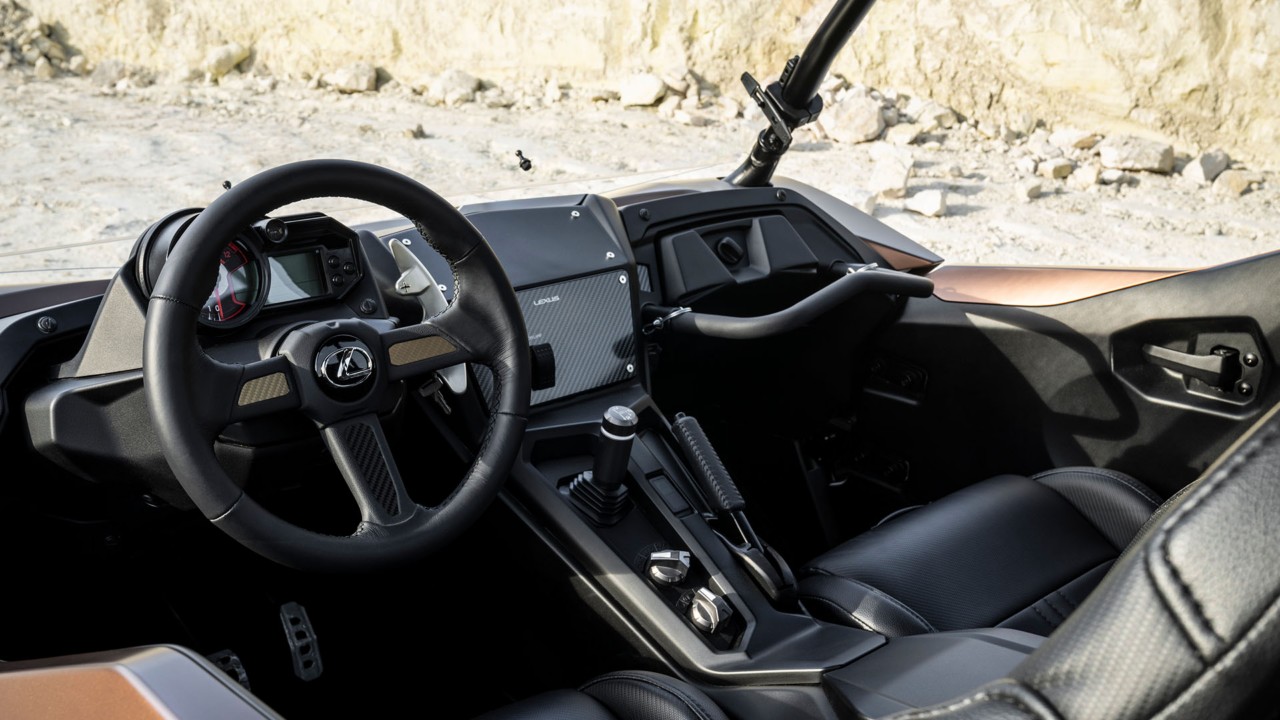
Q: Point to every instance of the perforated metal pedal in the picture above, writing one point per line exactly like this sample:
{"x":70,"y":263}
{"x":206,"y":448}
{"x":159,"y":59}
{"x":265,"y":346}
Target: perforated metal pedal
{"x":302,"y":641}
{"x":229,"y":663}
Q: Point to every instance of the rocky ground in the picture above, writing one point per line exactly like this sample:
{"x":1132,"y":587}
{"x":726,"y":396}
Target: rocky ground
{"x":93,"y":154}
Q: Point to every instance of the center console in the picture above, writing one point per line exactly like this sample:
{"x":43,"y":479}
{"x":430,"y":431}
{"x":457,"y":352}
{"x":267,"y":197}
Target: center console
{"x":636,"y":504}
{"x":660,"y":567}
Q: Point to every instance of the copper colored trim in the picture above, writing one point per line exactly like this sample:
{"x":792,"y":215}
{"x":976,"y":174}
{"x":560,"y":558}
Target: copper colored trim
{"x":74,"y":693}
{"x":1034,"y":286}
{"x":899,"y":260}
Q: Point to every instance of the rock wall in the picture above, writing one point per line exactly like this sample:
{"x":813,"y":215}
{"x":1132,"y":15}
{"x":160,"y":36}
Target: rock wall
{"x":1199,"y":73}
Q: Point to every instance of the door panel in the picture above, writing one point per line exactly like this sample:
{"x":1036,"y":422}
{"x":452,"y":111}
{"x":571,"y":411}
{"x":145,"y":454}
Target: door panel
{"x":1023,"y":389}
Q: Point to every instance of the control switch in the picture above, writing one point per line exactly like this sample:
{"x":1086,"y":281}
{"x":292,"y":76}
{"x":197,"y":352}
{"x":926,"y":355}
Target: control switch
{"x":708,"y":611}
{"x":669,"y":567}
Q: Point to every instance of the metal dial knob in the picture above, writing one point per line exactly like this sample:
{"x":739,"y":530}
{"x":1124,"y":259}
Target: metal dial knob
{"x":707,"y":610}
{"x":669,"y":567}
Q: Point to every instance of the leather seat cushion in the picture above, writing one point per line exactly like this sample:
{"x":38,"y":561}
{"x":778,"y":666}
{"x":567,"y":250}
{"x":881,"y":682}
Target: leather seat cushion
{"x":629,"y":695}
{"x":1011,"y":551}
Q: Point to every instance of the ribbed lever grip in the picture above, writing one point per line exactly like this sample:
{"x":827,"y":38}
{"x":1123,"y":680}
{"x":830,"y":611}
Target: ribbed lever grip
{"x":719,"y":488}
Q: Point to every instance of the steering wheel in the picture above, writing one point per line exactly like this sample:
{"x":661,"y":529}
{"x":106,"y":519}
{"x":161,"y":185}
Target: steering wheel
{"x":337,"y":372}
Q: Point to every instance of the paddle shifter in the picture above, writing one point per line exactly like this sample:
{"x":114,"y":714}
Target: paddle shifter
{"x":599,"y":492}
{"x":767,"y":567}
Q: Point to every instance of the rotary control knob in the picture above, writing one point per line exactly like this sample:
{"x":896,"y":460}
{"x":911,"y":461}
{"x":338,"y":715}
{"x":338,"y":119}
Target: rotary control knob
{"x":708,"y":611}
{"x":669,"y":567}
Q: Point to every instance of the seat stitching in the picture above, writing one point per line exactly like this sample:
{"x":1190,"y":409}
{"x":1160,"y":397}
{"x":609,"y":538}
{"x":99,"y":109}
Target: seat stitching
{"x":1066,"y":599}
{"x":1044,"y":617}
{"x":1086,"y":572}
{"x":997,"y":695}
{"x":688,"y":701}
{"x":1103,"y":473}
{"x":890,"y":599}
{"x":1228,"y":659}
{"x":1193,"y":504}
{"x":843,"y":610}
{"x":1053,"y":607}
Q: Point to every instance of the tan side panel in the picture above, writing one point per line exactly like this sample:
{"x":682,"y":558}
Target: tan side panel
{"x":267,"y":387}
{"x":1034,"y":286}
{"x":412,"y":351}
{"x":75,"y":694}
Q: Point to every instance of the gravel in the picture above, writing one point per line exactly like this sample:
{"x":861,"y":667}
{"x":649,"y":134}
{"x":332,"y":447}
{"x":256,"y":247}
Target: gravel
{"x":92,"y":161}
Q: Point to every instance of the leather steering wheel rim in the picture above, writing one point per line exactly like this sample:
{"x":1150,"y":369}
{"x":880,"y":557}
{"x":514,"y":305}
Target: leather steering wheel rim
{"x":483,"y":324}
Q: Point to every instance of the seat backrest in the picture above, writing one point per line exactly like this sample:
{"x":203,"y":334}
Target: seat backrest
{"x":1186,"y":624}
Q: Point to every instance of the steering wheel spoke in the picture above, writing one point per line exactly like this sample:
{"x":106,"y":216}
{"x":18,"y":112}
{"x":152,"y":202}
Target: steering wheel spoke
{"x":360,"y":449}
{"x":228,"y":393}
{"x":426,"y":347}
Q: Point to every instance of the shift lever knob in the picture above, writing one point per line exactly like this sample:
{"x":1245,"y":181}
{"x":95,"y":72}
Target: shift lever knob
{"x":613,"y":448}
{"x":599,"y":493}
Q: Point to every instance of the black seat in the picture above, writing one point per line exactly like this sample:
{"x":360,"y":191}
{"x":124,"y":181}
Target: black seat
{"x":1187,"y":626}
{"x":1011,"y":552}
{"x":630,"y":695}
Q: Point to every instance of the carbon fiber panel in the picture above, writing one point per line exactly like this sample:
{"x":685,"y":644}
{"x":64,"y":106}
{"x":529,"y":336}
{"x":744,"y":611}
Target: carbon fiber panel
{"x":267,"y":387}
{"x":588,"y":323}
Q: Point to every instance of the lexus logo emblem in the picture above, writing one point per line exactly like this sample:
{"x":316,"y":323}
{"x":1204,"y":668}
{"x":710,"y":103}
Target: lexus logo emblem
{"x":347,"y":367}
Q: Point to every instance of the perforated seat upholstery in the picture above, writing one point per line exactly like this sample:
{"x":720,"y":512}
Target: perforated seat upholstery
{"x":1012,"y":551}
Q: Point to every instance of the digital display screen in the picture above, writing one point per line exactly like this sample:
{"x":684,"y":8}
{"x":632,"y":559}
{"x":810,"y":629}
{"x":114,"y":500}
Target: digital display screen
{"x":296,"y":276}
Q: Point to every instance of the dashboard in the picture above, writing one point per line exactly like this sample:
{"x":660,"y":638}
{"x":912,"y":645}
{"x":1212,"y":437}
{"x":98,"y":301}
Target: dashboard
{"x":277,"y":262}
{"x":585,"y":268}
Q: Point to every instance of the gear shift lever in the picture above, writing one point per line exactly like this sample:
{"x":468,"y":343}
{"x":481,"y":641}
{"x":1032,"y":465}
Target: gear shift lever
{"x":599,"y":492}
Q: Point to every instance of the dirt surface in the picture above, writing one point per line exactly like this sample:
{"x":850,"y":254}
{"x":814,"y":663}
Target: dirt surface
{"x":87,"y":169}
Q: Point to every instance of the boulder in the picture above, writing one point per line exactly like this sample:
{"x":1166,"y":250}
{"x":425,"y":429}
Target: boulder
{"x":1234,"y":183}
{"x":931,"y":115}
{"x":1205,"y":168}
{"x":1055,"y":168}
{"x":1084,"y":177}
{"x":354,"y":78}
{"x":855,"y":119}
{"x":44,"y":69}
{"x":223,"y":59}
{"x":1126,"y":152}
{"x":1025,"y":165}
{"x":1029,"y":190}
{"x":1114,"y":177}
{"x":1072,"y":139}
{"x":452,"y":87}
{"x":864,"y":201}
{"x":889,"y":179}
{"x":903,"y":134}
{"x":552,"y":93}
{"x":108,"y":73}
{"x":728,"y":108}
{"x":668,"y":107}
{"x":930,"y":203}
{"x":642,"y":90}
{"x":677,"y":78}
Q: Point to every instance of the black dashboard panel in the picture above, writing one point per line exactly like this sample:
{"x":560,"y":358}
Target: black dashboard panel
{"x":575,"y":280}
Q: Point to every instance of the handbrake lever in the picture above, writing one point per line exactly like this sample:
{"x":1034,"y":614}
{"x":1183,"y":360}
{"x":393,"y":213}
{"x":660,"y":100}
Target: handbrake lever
{"x":766,"y":566}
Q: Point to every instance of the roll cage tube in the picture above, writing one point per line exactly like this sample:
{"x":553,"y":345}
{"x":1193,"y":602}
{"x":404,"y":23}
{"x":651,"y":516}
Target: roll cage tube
{"x":793,"y":100}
